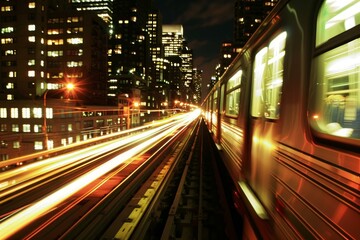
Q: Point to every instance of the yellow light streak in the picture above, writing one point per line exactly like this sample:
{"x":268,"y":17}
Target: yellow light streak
{"x":19,"y":220}
{"x":255,"y":203}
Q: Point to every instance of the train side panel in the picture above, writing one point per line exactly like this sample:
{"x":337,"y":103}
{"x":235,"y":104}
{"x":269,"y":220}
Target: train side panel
{"x":289,"y":123}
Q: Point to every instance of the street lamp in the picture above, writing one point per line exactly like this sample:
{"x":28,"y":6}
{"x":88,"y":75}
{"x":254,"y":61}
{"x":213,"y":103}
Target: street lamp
{"x":135,"y":106}
{"x":69,"y":87}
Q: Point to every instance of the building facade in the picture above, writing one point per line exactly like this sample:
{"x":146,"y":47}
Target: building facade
{"x":44,"y":45}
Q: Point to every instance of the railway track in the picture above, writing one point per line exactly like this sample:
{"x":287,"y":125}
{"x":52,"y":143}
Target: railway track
{"x":171,"y":190}
{"x":187,"y":198}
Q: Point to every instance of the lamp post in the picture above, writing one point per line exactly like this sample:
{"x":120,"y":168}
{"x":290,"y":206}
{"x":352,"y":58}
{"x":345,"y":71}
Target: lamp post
{"x":68,"y":87}
{"x":135,"y":106}
{"x":44,"y":128}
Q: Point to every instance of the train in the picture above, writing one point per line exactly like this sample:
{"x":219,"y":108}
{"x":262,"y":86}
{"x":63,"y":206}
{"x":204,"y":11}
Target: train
{"x":285,"y":116}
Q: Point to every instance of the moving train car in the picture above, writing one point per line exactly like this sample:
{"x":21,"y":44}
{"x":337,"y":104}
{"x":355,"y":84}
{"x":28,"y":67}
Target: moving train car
{"x":286,"y":118}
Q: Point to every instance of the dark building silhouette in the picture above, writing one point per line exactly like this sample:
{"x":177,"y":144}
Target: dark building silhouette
{"x":129,"y":52}
{"x":248,"y":17}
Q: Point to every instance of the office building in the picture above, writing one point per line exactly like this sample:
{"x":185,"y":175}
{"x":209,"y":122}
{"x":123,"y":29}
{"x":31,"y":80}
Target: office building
{"x":129,"y":57}
{"x":44,"y":45}
{"x":175,"y":46}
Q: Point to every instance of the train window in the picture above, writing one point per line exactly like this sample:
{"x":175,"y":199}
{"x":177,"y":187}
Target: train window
{"x":268,"y":79}
{"x":337,"y":104}
{"x":336,"y":17}
{"x":335,"y":107}
{"x":233,"y":94}
{"x":222,"y":98}
{"x":215,"y":102}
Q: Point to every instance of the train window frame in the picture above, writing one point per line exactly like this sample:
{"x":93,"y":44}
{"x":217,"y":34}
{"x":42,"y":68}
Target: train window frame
{"x":268,"y":78}
{"x":215,"y":101}
{"x":335,"y":19}
{"x":334,"y":103}
{"x":222,"y":93}
{"x":232,"y":95}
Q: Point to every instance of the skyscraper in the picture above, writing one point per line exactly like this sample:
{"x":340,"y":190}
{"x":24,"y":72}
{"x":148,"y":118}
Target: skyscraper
{"x":172,"y":39}
{"x":129,"y":56}
{"x":77,"y":52}
{"x":159,"y":87}
{"x":176,"y":46}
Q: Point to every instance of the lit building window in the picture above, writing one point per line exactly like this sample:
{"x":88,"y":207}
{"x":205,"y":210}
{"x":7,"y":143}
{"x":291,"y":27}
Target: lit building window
{"x":74,"y":64}
{"x":16,"y":144}
{"x":31,"y":27}
{"x":73,"y":19}
{"x":70,"y":127}
{"x":117,"y":49}
{"x":38,"y":145}
{"x":6,"y":8}
{"x":31,"y":38}
{"x":55,"y":42}
{"x":37,"y":112}
{"x":14,"y":113}
{"x":12,"y":74}
{"x":25,"y":112}
{"x":31,"y":73}
{"x":37,"y":128}
{"x":10,"y":97}
{"x":3,"y":113}
{"x":31,"y":62}
{"x":3,"y":127}
{"x":15,"y":127}
{"x":7,"y":40}
{"x":74,"y":40}
{"x":7,"y":30}
{"x":10,"y":52}
{"x":10,"y":85}
{"x":49,"y":113}
{"x":55,"y":53}
{"x":54,"y":31}
{"x":26,"y":128}
{"x":31,"y":5}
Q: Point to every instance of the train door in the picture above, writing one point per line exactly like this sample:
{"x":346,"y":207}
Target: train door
{"x":267,"y":81}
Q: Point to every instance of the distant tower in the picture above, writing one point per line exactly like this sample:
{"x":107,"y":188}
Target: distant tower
{"x":176,"y":46}
{"x":173,"y":39}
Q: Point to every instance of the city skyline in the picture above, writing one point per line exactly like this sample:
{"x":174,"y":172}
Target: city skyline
{"x":201,"y":20}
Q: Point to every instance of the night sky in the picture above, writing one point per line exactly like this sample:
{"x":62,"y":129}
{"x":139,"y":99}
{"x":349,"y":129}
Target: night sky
{"x":206,"y":25}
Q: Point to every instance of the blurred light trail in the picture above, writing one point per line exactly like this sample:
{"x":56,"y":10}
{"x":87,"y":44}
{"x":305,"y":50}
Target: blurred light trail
{"x":30,"y":171}
{"x":92,"y":140}
{"x":17,"y":221}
